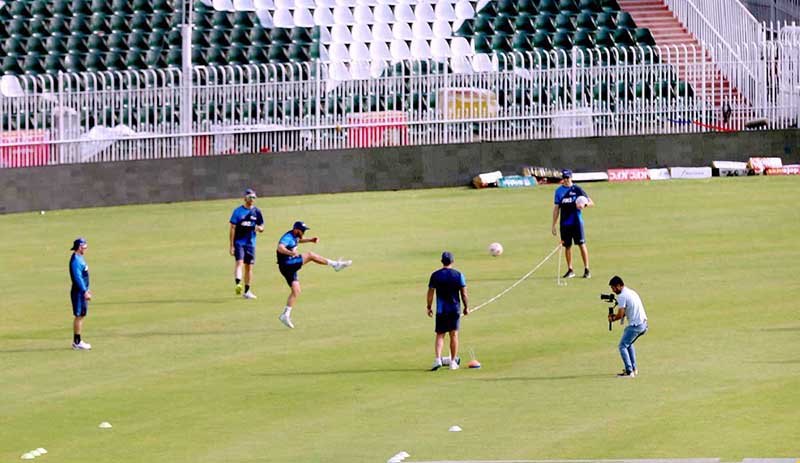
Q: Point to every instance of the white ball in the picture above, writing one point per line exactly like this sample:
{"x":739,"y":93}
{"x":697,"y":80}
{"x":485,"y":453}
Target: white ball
{"x":41,"y":212}
{"x":495,"y":249}
{"x":581,"y":202}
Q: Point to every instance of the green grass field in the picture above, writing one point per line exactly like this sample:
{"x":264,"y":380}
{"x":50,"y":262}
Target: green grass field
{"x":187,"y":372}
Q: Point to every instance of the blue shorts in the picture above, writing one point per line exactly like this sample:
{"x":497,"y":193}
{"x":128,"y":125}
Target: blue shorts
{"x":447,"y":322}
{"x":245,"y":252}
{"x":80,"y":305}
{"x":572,"y":233}
{"x":289,"y":272}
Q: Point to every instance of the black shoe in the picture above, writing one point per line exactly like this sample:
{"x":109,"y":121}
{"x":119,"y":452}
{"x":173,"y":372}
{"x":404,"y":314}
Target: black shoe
{"x":569,"y":274}
{"x":587,"y":274}
{"x":626,"y":374}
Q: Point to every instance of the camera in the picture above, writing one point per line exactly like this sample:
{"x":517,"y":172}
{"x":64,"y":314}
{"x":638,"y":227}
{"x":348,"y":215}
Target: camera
{"x":608,"y":297}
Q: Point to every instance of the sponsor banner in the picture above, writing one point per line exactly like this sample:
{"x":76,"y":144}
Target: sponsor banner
{"x":28,"y":149}
{"x":784,"y":170}
{"x":456,"y":103}
{"x":590,"y":177}
{"x":628,"y":175}
{"x":690,"y":172}
{"x":729,"y":169}
{"x":659,"y":174}
{"x":573,"y":123}
{"x":486,"y":180}
{"x":378,"y":128}
{"x":516,"y":181}
{"x":757,"y":165}
{"x":728,"y":165}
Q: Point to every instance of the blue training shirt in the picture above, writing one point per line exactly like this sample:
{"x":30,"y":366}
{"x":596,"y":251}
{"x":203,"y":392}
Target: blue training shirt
{"x":447,"y":282}
{"x":79,"y":273}
{"x":565,"y":199}
{"x":246,"y":221}
{"x":290,"y":241}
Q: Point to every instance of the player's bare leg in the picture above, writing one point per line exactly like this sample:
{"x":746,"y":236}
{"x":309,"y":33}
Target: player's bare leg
{"x":336,"y":264}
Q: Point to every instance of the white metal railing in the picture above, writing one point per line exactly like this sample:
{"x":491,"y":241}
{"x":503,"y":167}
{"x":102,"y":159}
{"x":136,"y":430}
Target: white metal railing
{"x":720,"y":25}
{"x":131,"y":115}
{"x":774,"y":11}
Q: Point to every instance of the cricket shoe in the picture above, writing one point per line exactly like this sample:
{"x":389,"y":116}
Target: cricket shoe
{"x":81,"y":346}
{"x":587,"y":274}
{"x":454,"y":365}
{"x":239,"y":289}
{"x":626,"y":374}
{"x":569,"y":274}
{"x":286,"y":319}
{"x":250,"y":295}
{"x":436,"y":364}
{"x":341,"y":264}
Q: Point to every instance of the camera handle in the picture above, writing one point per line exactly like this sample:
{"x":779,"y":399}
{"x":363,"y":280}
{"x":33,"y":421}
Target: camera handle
{"x":610,"y":312}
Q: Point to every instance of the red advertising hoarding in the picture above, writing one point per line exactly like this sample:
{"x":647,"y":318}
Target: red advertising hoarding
{"x":628,"y":175}
{"x":379,"y":128}
{"x":27,"y":151}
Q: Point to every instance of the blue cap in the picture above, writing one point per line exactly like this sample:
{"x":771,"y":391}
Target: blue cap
{"x":300,"y":225}
{"x":250,"y":192}
{"x":78,"y":243}
{"x":566,"y":173}
{"x":447,"y":258}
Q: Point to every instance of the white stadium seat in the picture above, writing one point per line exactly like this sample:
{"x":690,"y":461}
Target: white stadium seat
{"x":338,"y":71}
{"x":343,"y":15}
{"x":424,"y":12}
{"x":363,"y":15}
{"x":244,"y":5}
{"x":359,"y":51}
{"x":305,"y":4}
{"x":482,"y":62}
{"x":223,"y":5}
{"x":325,"y":3}
{"x":338,"y":52}
{"x":265,"y":5}
{"x":367,"y":2}
{"x":302,"y":18}
{"x":442,"y":29}
{"x":346,"y":3}
{"x":464,"y":10}
{"x":284,"y":4}
{"x":460,"y":47}
{"x":283,"y":18}
{"x":379,"y":51}
{"x":401,"y":31}
{"x":362,"y":33}
{"x":323,"y":17}
{"x":384,"y":14}
{"x":460,"y":64}
{"x":420,"y":49}
{"x":399,"y":50}
{"x":440,"y":49}
{"x":265,"y":18}
{"x":377,"y":67}
{"x":403,"y":12}
{"x":382,"y":31}
{"x":421,"y":30}
{"x":444,"y":10}
{"x":325,"y":35}
{"x":360,"y":70}
{"x":341,"y":34}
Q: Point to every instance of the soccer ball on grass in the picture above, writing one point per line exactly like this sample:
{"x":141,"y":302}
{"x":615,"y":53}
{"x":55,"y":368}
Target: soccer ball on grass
{"x":495,"y":249}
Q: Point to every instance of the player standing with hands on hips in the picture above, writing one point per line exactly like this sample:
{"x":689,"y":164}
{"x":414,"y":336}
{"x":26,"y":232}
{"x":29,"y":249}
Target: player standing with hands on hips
{"x":567,"y":205}
{"x":80,"y":295}
{"x":448,"y":284}
{"x":630,"y":306}
{"x":245,"y":221}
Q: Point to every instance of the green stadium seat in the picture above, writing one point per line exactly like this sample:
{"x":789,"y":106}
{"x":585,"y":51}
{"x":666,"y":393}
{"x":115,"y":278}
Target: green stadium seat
{"x":299,"y":52}
{"x":277,"y":53}
{"x":141,"y":21}
{"x":165,"y":6}
{"x":145,"y":6}
{"x":522,"y":41}
{"x":280,"y":36}
{"x":624,"y":38}
{"x":200,"y":39}
{"x":135,"y":59}
{"x":95,"y":61}
{"x":80,"y":24}
{"x":488,"y":9}
{"x":259,"y":36}
{"x":624,"y":19}
{"x":137,"y":40}
{"x":610,"y":6}
{"x":607,"y":20}
{"x":101,"y":6}
{"x":160,"y":21}
{"x":549,"y":6}
{"x":100,"y":23}
{"x":244,"y":19}
{"x":664,"y":89}
{"x":97,"y":43}
{"x":482,"y":43}
{"x":216,"y":56}
{"x":240,"y":35}
{"x":19,"y":26}
{"x":685,"y":90}
{"x":301,"y":35}
{"x":507,"y":7}
{"x":542,"y":40}
{"x":583,"y":39}
{"x":75,"y":62}
{"x":202,"y":21}
{"x":565,"y":22}
{"x":466,"y":29}
{"x":35,"y":45}
{"x":41,"y":9}
{"x":14,"y":46}
{"x":624,"y":91}
{"x":605,"y":38}
{"x":544,"y":23}
{"x":78,"y":43}
{"x":503,"y":25}
{"x":40,"y":26}
{"x":219,"y":38}
{"x":221,"y":19}
{"x":593,"y":6}
{"x":56,"y":44}
{"x":643,"y":90}
{"x":62,"y":7}
{"x":237,"y":55}
{"x":157,"y":39}
{"x":198,"y":57}
{"x":525,"y":23}
{"x":114,"y":60}
{"x":563,"y":40}
{"x":174,"y":38}
{"x":501,"y":43}
{"x":644,"y":37}
{"x":81,"y":7}
{"x":258,"y":53}
{"x":174,"y":57}
{"x":11,"y":65}
{"x":568,"y":6}
{"x":484,"y":25}
{"x":33,"y":64}
{"x":54,"y":63}
{"x":3,"y":31}
{"x":527,"y":6}
{"x":118,"y":41}
{"x":20,"y":9}
{"x":154,"y":59}
{"x":585,"y":21}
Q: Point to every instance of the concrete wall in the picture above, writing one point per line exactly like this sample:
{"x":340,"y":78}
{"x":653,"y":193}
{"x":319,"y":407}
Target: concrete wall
{"x":136,"y":182}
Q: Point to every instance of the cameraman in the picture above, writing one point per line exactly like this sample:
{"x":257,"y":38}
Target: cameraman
{"x":629,"y":305}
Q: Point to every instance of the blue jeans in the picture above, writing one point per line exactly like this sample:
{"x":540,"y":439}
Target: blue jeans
{"x":626,"y":350}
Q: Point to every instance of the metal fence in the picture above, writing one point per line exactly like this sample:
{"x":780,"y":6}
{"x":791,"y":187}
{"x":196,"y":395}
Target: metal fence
{"x":70,"y":118}
{"x":773,"y":11}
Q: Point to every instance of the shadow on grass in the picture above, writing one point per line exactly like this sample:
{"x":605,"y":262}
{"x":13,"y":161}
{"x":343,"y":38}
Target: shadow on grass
{"x":155,"y":334}
{"x":788,"y":328}
{"x":342,"y":372}
{"x":776,"y":362}
{"x":216,"y":300}
{"x":548,"y":378}
{"x":28,"y":350}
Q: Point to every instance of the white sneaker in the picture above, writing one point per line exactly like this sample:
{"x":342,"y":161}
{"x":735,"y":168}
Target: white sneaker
{"x":342,"y":264}
{"x":436,"y":364}
{"x":454,"y":365}
{"x":250,"y":295}
{"x":286,"y":319}
{"x":82,"y":346}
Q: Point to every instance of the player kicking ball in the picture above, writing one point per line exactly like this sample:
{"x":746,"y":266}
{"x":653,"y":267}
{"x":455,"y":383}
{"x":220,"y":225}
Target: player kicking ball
{"x":290,"y":262}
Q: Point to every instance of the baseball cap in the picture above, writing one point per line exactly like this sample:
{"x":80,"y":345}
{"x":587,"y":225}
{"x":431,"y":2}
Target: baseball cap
{"x":447,"y":258}
{"x":566,"y":173}
{"x":250,"y":192}
{"x":78,"y":243}
{"x":300,"y":225}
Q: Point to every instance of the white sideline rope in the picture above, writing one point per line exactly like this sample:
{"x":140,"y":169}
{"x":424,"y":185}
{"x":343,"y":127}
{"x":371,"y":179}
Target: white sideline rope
{"x":524,"y":277}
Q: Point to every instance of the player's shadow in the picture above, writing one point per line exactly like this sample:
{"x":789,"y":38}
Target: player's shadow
{"x":546,"y":378}
{"x":218,"y":300}
{"x":787,"y":328}
{"x":339,"y":372}
{"x":156,"y":334}
{"x":28,"y":350}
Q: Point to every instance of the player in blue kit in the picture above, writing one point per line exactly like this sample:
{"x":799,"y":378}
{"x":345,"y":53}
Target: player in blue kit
{"x":79,"y":294}
{"x":566,"y":205}
{"x":448,"y":284}
{"x":290,"y":261}
{"x":245,"y":221}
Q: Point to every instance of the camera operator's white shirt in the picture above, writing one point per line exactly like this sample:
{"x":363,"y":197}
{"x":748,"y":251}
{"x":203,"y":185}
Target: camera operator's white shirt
{"x":629,"y":300}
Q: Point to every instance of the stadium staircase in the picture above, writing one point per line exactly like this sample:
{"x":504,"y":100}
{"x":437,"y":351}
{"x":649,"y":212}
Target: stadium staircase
{"x":668,"y":31}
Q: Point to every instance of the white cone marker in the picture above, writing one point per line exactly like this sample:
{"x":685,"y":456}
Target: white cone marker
{"x":104,"y":425}
{"x":28,"y":456}
{"x":41,"y":450}
{"x":455,"y":428}
{"x":36,"y":453}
